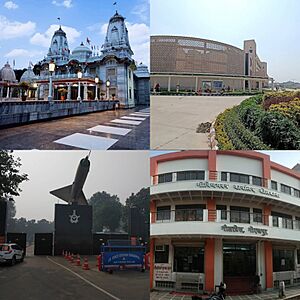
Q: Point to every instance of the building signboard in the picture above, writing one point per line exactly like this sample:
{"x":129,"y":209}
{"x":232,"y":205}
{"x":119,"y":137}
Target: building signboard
{"x":163,"y":272}
{"x":238,"y":187}
{"x":241,"y":229}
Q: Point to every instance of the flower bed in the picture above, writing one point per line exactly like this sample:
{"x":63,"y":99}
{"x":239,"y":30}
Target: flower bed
{"x":251,"y":126}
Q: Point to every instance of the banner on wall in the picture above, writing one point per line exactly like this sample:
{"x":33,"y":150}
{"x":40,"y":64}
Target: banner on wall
{"x":162,"y":272}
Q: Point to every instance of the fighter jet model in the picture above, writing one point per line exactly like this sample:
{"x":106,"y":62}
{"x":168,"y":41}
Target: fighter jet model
{"x":73,"y":193}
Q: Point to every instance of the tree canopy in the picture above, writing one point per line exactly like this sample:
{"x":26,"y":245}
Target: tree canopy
{"x":10,"y":177}
{"x":107,"y":211}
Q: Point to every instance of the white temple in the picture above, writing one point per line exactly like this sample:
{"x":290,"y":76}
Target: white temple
{"x":114,"y":64}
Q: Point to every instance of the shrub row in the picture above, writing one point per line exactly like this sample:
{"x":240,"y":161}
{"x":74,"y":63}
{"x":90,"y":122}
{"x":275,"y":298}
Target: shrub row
{"x":232,"y":134}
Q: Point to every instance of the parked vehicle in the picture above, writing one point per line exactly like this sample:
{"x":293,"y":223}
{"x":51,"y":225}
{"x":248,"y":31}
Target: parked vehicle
{"x":11,"y":253}
{"x":220,"y":294}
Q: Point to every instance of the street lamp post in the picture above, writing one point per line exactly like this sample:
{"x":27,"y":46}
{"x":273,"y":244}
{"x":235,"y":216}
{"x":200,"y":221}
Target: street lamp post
{"x":107,"y":89}
{"x":96,"y":82}
{"x":79,"y":74}
{"x":51,"y":70}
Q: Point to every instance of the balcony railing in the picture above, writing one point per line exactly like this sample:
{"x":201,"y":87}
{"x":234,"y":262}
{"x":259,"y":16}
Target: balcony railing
{"x":223,"y":216}
{"x":67,"y":76}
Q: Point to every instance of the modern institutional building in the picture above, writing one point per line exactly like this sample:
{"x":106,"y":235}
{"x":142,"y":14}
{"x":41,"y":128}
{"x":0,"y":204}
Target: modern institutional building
{"x":227,"y":216}
{"x":187,"y":63}
{"x":117,"y":75}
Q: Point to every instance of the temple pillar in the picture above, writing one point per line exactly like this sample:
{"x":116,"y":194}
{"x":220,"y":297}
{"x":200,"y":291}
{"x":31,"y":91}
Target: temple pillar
{"x":69,"y":92}
{"x":85,"y":93}
{"x":7,"y":94}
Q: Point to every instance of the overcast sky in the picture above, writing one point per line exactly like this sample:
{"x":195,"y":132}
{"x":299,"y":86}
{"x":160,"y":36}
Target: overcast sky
{"x":274,"y":24}
{"x":116,"y":172}
{"x":27,"y":26}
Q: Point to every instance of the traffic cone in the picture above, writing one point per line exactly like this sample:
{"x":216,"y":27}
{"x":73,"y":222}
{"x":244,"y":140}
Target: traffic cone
{"x":85,"y":265}
{"x":72,"y":258}
{"x":78,"y":263}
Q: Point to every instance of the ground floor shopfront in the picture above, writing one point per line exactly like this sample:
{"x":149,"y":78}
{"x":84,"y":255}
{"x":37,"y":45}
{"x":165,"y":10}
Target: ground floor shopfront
{"x":200,"y":264}
{"x":208,"y":82}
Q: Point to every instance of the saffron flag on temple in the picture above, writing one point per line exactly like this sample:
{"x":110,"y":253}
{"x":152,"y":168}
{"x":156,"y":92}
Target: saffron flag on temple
{"x":88,"y":40}
{"x":115,"y":3}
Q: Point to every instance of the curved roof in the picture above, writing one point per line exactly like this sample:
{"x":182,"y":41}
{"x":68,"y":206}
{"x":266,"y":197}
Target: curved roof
{"x":82,"y":49}
{"x":7,"y":73}
{"x":28,"y":75}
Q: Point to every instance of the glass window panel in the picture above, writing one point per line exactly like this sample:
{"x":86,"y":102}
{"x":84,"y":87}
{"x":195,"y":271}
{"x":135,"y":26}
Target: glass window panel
{"x":274,"y":185}
{"x":162,"y":257}
{"x":167,"y":177}
{"x":256,"y":180}
{"x":163,"y":213}
{"x":188,"y":259}
{"x":223,"y":176}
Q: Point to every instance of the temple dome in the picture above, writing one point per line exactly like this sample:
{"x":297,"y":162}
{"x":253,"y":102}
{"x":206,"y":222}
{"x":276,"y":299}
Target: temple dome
{"x":142,"y":71}
{"x":82,"y":49}
{"x":28,"y":75}
{"x":7,"y":73}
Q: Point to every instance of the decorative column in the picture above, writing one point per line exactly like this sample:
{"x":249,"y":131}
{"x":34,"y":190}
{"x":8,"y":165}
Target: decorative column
{"x":37,"y":92}
{"x":152,"y":249}
{"x":7,"y":94}
{"x":209,"y":265}
{"x":85,"y":93}
{"x":169,"y":83}
{"x":249,"y":85}
{"x":269,"y":264}
{"x":196,"y":84}
{"x":260,"y":86}
{"x":69,"y":92}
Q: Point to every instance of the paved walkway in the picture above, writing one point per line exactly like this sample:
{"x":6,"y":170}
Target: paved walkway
{"x":291,"y":293}
{"x":175,"y":119}
{"x":117,"y":130}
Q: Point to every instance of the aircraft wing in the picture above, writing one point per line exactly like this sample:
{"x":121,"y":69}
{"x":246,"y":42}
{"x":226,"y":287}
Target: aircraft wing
{"x":81,"y":200}
{"x":63,"y":193}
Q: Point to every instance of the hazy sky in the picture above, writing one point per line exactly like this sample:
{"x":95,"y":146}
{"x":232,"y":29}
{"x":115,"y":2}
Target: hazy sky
{"x":274,"y":24}
{"x":116,"y":172}
{"x":27,"y":26}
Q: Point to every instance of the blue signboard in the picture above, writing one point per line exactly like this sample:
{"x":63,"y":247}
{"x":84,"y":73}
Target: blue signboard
{"x":118,"y":257}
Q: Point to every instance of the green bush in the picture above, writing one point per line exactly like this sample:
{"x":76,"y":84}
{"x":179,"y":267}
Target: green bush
{"x":279,"y":131}
{"x":232,"y":134}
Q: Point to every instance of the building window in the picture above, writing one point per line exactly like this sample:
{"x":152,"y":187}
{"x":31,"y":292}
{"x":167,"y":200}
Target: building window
{"x":297,"y":225}
{"x":257,"y":215}
{"x":190,"y":175}
{"x":286,"y":189}
{"x":129,"y":72}
{"x":223,"y":176}
{"x":287,"y":220}
{"x":188,"y":259}
{"x":256,"y":180}
{"x":167,"y":177}
{"x":162,"y":254}
{"x":184,"y":213}
{"x":239,"y":214}
{"x":111,"y":72}
{"x":274,"y":185}
{"x":283,"y":260}
{"x":163,"y":213}
{"x":223,"y":209}
{"x":130,"y":93}
{"x":296,"y":193}
{"x":298,"y":256}
{"x":242,"y":178}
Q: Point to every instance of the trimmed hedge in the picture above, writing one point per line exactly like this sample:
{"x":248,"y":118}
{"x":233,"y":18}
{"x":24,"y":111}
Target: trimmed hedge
{"x":232,"y":134}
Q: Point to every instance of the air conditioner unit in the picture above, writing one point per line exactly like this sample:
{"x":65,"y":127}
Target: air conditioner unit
{"x":159,"y":248}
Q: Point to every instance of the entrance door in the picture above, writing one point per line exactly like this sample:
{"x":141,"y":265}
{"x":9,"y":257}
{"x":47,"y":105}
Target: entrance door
{"x":43,"y":243}
{"x":239,"y":265}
